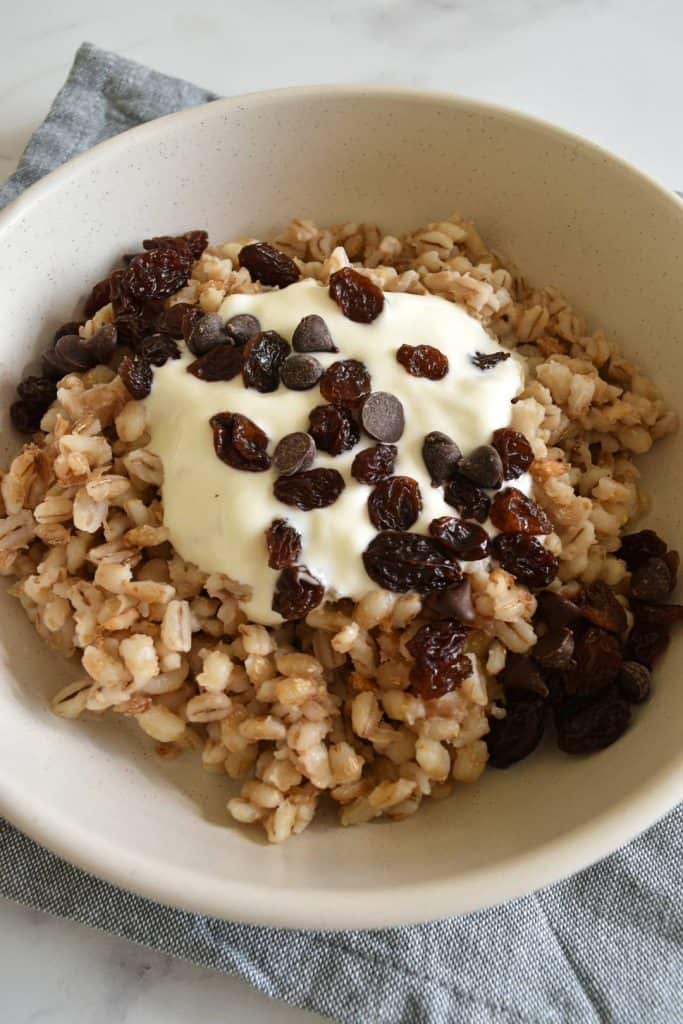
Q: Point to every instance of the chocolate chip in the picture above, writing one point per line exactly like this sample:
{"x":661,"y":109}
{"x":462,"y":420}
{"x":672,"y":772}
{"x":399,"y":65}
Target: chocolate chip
{"x":382,"y":417}
{"x":71,"y":354}
{"x":103,"y":343}
{"x":454,"y":603}
{"x":521,"y":679}
{"x":207,"y":333}
{"x":652,"y":581}
{"x":441,"y":456}
{"x":555,"y":610}
{"x":555,"y":649}
{"x":240,"y":328}
{"x":483,"y":466}
{"x":312,"y":335}
{"x":294,"y":453}
{"x":300,"y":372}
{"x":634,"y":682}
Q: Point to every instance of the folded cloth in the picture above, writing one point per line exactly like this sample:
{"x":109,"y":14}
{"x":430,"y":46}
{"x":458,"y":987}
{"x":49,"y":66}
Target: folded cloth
{"x":604,"y":946}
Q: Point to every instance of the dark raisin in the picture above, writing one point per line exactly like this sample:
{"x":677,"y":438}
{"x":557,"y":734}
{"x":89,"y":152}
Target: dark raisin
{"x":513,"y":512}
{"x":41,"y":391}
{"x":99,"y":296}
{"x":487,"y":360}
{"x":395,"y":503}
{"x":136,"y":374}
{"x":483,"y":467}
{"x":191,"y":316}
{"x":156,"y":274}
{"x":470,"y":501}
{"x":517,"y":735}
{"x":526,"y":559}
{"x":311,"y":488}
{"x":333,"y":429}
{"x":358,"y":298}
{"x":423,"y":361}
{"x":597,"y":660}
{"x":585,"y":728}
{"x":673,"y":562}
{"x":294,"y":452}
{"x":453,"y":603}
{"x":514,"y":450}
{"x":283,"y":543}
{"x":468,"y":541}
{"x":658,"y":614}
{"x":264,"y":354}
{"x":557,"y":611}
{"x":297,"y":592}
{"x":239,"y":442}
{"x":192,"y":242}
{"x":598,"y":604}
{"x":439,"y":664}
{"x":521,"y":679}
{"x":646,"y":643}
{"x":221,"y":363}
{"x":241,"y":327}
{"x":634,"y":682}
{"x":312,"y":335}
{"x":555,"y":649}
{"x":71,"y":327}
{"x":441,"y":456}
{"x":157,"y":349}
{"x":207,"y":332}
{"x":268,"y":265}
{"x":408,"y":561}
{"x":374,"y":464}
{"x":300,"y":372}
{"x":345,"y":381}
{"x":637,"y":548}
{"x":26,"y":416}
{"x":651,"y":581}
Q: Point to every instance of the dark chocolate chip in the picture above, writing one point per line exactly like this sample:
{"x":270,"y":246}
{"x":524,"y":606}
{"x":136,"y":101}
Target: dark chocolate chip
{"x":652,"y":581}
{"x":483,"y":466}
{"x":71,"y":327}
{"x":240,"y":328}
{"x":441,"y":456}
{"x":454,"y":603}
{"x":300,"y":372}
{"x":382,"y":417}
{"x":555,"y":610}
{"x":634,"y":682}
{"x":103,"y":343}
{"x":555,"y":649}
{"x":521,"y":679}
{"x":294,"y":453}
{"x":71,"y":353}
{"x":312,"y":335}
{"x":207,"y":333}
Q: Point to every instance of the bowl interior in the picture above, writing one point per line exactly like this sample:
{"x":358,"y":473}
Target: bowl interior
{"x":566,"y":213}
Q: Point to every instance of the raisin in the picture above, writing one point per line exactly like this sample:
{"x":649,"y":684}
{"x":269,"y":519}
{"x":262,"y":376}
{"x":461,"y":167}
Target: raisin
{"x":99,"y":296}
{"x":70,"y":327}
{"x":634,"y":682}
{"x":345,"y":381}
{"x":374,"y":464}
{"x":309,"y":489}
{"x":468,"y":541}
{"x":192,"y":242}
{"x":395,"y":504}
{"x":408,"y":561}
{"x":221,"y":363}
{"x":264,"y":354}
{"x":453,"y":603}
{"x":297,"y":592}
{"x":191,"y":316}
{"x":637,"y":548}
{"x":40,"y":391}
{"x":487,"y":360}
{"x":673,"y":562}
{"x":483,"y":466}
{"x":157,"y":349}
{"x":521,"y":679}
{"x":526,"y":559}
{"x":423,"y":361}
{"x":517,"y":735}
{"x":239,"y":442}
{"x":646,"y":643}
{"x":584,"y":728}
{"x":439,"y":664}
{"x":136,"y":374}
{"x":156,"y":274}
{"x":441,"y":456}
{"x":514,"y":450}
{"x":333,"y":429}
{"x":268,"y":265}
{"x":283,"y":543}
{"x":555,"y":649}
{"x":651,"y":581}
{"x":26,"y":416}
{"x":597,"y":660}
{"x":358,"y":298}
{"x":658,"y":614}
{"x":598,"y":604}
{"x":513,"y":512}
{"x":470,"y":501}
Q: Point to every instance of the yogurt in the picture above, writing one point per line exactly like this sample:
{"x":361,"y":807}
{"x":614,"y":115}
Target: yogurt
{"x":217,"y":516}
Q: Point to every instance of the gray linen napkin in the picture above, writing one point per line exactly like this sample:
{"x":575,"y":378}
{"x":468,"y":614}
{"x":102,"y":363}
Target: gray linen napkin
{"x":604,"y":946}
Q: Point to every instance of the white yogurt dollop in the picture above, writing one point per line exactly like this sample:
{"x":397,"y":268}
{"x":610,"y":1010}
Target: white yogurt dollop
{"x":217,"y":516}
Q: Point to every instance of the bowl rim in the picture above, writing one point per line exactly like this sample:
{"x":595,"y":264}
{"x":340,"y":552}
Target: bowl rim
{"x":351,"y":908}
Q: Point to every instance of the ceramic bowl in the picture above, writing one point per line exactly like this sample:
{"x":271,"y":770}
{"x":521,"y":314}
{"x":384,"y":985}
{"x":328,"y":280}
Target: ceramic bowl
{"x":565,"y":211}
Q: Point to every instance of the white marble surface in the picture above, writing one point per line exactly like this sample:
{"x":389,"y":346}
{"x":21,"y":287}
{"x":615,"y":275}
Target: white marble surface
{"x":608,"y":69}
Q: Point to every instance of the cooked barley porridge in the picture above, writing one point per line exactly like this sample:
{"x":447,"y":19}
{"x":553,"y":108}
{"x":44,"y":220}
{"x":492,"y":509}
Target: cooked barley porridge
{"x":344,"y":513}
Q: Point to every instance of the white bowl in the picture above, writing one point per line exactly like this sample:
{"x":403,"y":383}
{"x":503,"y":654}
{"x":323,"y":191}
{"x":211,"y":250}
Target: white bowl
{"x":568,"y":214}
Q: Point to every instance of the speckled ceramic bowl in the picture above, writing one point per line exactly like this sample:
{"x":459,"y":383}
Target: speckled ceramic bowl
{"x":569,"y":214}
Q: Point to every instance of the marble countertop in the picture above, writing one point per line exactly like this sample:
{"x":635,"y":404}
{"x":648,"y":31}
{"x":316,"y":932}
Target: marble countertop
{"x":609,"y":71}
